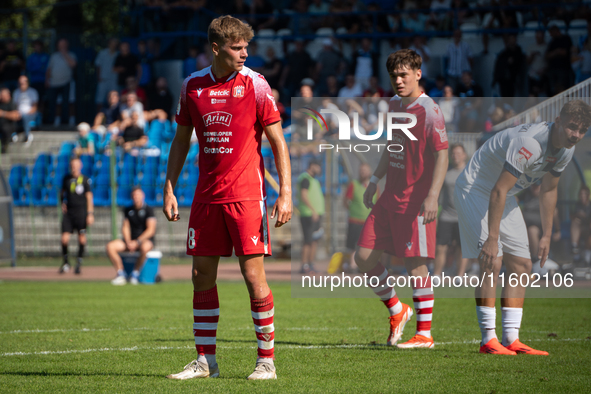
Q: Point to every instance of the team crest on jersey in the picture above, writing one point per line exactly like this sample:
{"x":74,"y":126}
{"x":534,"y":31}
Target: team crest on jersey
{"x":442,"y":134}
{"x":217,"y":117}
{"x":238,"y":91}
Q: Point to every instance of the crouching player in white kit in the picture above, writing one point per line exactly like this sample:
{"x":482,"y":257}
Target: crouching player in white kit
{"x":492,"y":228}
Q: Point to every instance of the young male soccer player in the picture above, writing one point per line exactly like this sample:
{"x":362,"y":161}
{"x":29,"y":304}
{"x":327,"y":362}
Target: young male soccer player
{"x":492,"y":228}
{"x":402,"y":222}
{"x":78,"y":211}
{"x":229,"y":106}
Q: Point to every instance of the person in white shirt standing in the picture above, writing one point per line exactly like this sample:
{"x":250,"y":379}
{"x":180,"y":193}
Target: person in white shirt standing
{"x":26,"y":99}
{"x":59,"y":75}
{"x":107,"y":78}
{"x":492,"y":227}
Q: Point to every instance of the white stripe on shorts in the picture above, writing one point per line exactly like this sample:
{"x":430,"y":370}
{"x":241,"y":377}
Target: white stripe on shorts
{"x":422,"y":236}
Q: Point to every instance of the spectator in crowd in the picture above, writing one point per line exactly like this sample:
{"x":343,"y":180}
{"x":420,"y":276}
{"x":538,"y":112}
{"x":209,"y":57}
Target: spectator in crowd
{"x":510,"y":68}
{"x":374,"y":89}
{"x":580,"y":227}
{"x":26,"y":99}
{"x":190,"y":63}
{"x":146,"y":59}
{"x":12,"y":65}
{"x":365,"y":63}
{"x":298,"y":65}
{"x":126,"y":65}
{"x":254,"y":61}
{"x":132,"y":105}
{"x":582,"y":62}
{"x":329,"y":62}
{"x":262,"y":7}
{"x":102,"y":139}
{"x":351,"y":89}
{"x":558,"y":57}
{"x":414,"y":21}
{"x":138,"y":232}
{"x":280,"y":106}
{"x":331,"y":87}
{"x":449,"y":106}
{"x":131,"y":86}
{"x":59,"y":75}
{"x":318,"y":7}
{"x":107,"y":78}
{"x":78,"y":212}
{"x":438,"y":18}
{"x":358,"y":213}
{"x":530,"y":207}
{"x":272,"y":69}
{"x":9,"y":116}
{"x":160,"y":100}
{"x":311,"y":207}
{"x":36,"y":68}
{"x":537,"y":65}
{"x":448,"y":230}
{"x":110,"y":117}
{"x":133,"y":136}
{"x":437,"y":90}
{"x":472,"y":103}
{"x":459,"y":55}
{"x":419,"y":45}
{"x":205,"y":58}
{"x":85,"y":144}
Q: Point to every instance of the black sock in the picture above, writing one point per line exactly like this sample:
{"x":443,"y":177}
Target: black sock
{"x":80,"y":253}
{"x":65,"y":253}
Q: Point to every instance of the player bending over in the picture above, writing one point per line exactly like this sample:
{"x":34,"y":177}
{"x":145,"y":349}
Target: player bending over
{"x":402,"y":222}
{"x":492,"y":228}
{"x":229,"y":106}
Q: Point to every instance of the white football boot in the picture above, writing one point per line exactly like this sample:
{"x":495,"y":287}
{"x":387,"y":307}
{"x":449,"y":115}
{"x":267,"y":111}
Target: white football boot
{"x":196,"y":369}
{"x":264,"y":370}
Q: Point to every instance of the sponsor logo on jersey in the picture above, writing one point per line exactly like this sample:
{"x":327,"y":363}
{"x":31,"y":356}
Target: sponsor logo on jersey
{"x":199,"y":91}
{"x":524,"y":154}
{"x":270,"y":97}
{"x":219,"y":93}
{"x":221,"y":149}
{"x":217,"y":117}
{"x":442,"y":134}
{"x":550,"y":159}
{"x":218,"y":101}
{"x":238,"y":91}
{"x":254,"y":240}
{"x":409,"y":245}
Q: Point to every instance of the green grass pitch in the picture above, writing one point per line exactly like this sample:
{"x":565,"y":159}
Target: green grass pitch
{"x":94,"y":337}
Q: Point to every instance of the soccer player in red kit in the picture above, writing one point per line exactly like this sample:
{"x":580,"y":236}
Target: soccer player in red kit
{"x":229,"y":106}
{"x":402,"y":221}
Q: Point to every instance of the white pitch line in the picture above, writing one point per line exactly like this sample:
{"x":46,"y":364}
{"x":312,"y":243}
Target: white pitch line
{"x":344,"y":346}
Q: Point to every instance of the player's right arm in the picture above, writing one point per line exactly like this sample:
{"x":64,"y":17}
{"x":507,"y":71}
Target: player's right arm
{"x":126,"y":233}
{"x":378,"y":174}
{"x":176,"y":159}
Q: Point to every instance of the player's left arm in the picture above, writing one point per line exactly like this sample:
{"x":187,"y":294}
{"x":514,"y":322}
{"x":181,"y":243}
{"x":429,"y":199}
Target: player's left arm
{"x":282,"y":207}
{"x":431,"y":203}
{"x":89,"y":208}
{"x":548,"y":198}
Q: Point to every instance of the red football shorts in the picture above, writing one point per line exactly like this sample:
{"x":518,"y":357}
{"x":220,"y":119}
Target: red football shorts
{"x":398,"y":234}
{"x":216,"y":229}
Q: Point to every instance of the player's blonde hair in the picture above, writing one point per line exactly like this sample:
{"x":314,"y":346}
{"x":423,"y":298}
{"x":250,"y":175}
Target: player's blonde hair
{"x":576,"y":111}
{"x":404,"y":58}
{"x":228,"y":29}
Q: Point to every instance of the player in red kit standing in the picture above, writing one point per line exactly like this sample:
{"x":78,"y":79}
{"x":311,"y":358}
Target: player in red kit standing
{"x":402,"y":222}
{"x":229,"y":106}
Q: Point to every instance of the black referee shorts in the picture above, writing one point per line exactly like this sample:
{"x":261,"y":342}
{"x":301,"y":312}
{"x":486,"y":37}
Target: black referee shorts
{"x":74,"y":221}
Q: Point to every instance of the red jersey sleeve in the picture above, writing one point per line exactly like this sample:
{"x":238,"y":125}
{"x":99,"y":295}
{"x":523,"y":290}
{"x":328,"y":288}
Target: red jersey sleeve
{"x":435,"y":129}
{"x":267,"y":112}
{"x":349,"y":193}
{"x":183,"y":117}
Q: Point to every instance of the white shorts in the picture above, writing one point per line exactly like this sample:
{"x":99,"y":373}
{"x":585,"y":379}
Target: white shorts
{"x":472,"y":211}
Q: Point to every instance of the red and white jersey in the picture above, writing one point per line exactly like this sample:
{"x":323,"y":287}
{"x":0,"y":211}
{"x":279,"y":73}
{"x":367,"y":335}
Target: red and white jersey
{"x":410,"y":172}
{"x":228,"y":115}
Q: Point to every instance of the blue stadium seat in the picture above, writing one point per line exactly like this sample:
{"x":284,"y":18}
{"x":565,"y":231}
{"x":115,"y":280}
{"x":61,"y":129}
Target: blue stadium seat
{"x":87,"y":164}
{"x":124,"y":196}
{"x":164,"y":150}
{"x":66,"y":148}
{"x":101,"y":196}
{"x":16,"y":180}
{"x":169,"y":132}
{"x":128,"y":164}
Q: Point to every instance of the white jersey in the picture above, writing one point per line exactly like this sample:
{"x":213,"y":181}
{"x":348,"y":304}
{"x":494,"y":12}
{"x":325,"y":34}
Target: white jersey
{"x":525,"y":151}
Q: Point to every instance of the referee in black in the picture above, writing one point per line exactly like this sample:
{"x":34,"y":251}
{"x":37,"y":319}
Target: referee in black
{"x":78,"y":210}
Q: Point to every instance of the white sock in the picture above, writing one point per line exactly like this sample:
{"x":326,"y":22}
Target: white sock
{"x":135,"y":273}
{"x":120,"y":273}
{"x":207,"y":358}
{"x":265,"y":360}
{"x":511,"y":324}
{"x":395,"y":309}
{"x":486,"y":321}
